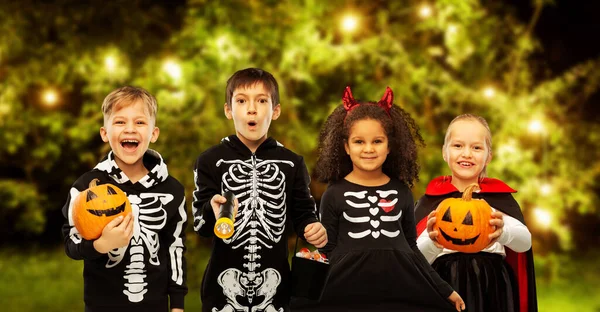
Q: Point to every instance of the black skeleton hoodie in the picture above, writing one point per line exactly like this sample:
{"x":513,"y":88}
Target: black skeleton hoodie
{"x":249,"y":271}
{"x":151,"y":271}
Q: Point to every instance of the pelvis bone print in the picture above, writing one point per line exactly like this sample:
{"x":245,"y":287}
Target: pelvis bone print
{"x":149,"y":218}
{"x":373,"y":210}
{"x":259,"y":186}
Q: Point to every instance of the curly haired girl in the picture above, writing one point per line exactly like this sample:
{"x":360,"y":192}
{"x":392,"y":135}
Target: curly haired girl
{"x":368,"y":154}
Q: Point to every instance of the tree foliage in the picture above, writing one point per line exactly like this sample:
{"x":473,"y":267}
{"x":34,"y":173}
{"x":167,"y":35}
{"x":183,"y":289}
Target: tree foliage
{"x":438,"y":67}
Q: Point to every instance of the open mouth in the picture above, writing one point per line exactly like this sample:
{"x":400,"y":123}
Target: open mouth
{"x":252,"y":123}
{"x":466,"y":164}
{"x":108,"y":212}
{"x":458,"y":241}
{"x":130,"y":145}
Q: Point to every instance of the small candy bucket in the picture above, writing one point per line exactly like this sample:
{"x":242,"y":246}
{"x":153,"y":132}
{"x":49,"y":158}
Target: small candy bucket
{"x":308,"y":277}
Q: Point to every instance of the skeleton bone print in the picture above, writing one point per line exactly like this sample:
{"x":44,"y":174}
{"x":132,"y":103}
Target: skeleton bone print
{"x":373,"y":210}
{"x":259,"y":186}
{"x":149,"y":218}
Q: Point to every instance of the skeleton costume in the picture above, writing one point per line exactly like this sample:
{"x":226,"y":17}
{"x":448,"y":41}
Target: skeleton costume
{"x":250,"y":271}
{"x":498,"y":278}
{"x":375,"y":263}
{"x":150,"y":271}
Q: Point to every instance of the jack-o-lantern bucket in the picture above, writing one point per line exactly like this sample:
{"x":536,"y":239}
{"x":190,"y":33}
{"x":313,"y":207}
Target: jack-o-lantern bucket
{"x":95,"y":207}
{"x":463,"y":224}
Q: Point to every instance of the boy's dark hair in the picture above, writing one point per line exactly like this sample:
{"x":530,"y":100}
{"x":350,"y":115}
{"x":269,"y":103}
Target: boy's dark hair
{"x":334,"y":164}
{"x":247,"y":77}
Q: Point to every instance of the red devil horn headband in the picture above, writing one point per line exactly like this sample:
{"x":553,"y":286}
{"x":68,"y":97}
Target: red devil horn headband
{"x":386,"y":101}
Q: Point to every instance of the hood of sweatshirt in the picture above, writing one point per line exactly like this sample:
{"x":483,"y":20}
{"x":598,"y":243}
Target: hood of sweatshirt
{"x":157,"y":169}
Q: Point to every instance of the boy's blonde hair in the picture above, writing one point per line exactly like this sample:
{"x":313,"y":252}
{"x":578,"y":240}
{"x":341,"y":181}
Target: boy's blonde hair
{"x":129,"y":95}
{"x":488,"y":136}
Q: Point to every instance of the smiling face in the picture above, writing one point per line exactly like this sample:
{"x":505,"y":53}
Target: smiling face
{"x":466,"y":151}
{"x":252,"y":111}
{"x":129,"y":129}
{"x":367,"y":146}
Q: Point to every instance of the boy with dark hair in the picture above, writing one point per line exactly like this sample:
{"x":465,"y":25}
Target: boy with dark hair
{"x":249,"y":271}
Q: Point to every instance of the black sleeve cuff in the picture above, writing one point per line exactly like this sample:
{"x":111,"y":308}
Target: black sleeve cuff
{"x":88,"y":250}
{"x":302,"y":226}
{"x":177,"y":300}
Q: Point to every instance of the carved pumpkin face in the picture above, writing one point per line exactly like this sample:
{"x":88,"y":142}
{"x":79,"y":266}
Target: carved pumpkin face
{"x":96,"y":207}
{"x":463,"y":223}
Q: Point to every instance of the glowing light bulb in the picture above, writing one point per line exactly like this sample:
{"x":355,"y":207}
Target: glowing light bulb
{"x":425,"y":11}
{"x":349,"y":23}
{"x":452,"y":29}
{"x":110,"y":62}
{"x":50,"y":97}
{"x":173,"y":69}
{"x":545,"y":189}
{"x":489,"y":92}
{"x":536,"y":126}
{"x":542,"y":216}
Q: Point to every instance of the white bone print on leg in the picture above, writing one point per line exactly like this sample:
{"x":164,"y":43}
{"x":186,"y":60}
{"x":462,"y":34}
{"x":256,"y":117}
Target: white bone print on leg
{"x":259,"y":186}
{"x":149,"y":218}
{"x":372,"y":210}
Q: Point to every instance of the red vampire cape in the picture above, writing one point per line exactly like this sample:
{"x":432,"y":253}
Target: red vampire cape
{"x":499,"y":196}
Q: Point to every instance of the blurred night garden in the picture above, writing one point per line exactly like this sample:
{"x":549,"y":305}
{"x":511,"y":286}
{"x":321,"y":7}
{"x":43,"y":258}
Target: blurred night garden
{"x":531,"y":68}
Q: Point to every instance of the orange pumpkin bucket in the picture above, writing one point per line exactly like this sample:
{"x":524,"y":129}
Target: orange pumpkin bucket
{"x":463,"y":224}
{"x":95,"y":207}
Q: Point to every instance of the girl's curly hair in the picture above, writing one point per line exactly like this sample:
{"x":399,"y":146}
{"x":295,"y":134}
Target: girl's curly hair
{"x":334,"y":164}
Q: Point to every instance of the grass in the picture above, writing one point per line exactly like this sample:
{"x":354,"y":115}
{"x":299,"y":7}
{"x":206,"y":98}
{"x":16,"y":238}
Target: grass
{"x":47,"y":280}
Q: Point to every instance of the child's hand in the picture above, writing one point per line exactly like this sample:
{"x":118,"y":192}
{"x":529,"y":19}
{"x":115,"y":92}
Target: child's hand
{"x":457,"y":301}
{"x":316,"y":234}
{"x":216,"y":202}
{"x":433,"y":234}
{"x":117,"y":233}
{"x":498,"y":224}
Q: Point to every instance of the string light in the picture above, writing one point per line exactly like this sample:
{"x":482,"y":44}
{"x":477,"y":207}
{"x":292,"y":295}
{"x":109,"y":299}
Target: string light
{"x":489,"y":92}
{"x":220,"y":42}
{"x":536,"y":126}
{"x":173,"y":69}
{"x":452,"y":29}
{"x":349,"y":23}
{"x":50,"y":97}
{"x":542,"y":216}
{"x":110,"y":62}
{"x":545,"y":189}
{"x":425,"y":11}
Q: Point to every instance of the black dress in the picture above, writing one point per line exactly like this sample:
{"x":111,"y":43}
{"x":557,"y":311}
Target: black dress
{"x":375,"y":263}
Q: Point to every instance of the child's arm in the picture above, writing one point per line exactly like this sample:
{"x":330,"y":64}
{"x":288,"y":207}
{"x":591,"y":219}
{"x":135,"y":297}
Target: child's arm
{"x":174,"y":236}
{"x":330,"y":220}
{"x":207,"y":186}
{"x":115,"y":234}
{"x":303,"y":210}
{"x":410,"y":231}
{"x":515,"y":235}
{"x":426,"y":244}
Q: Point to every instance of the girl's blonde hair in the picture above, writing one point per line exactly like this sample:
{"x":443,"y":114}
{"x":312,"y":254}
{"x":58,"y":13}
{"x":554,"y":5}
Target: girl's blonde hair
{"x":488,"y":136}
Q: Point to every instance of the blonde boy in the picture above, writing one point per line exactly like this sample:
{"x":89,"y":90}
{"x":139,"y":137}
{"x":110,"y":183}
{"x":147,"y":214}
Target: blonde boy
{"x":138,"y":262}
